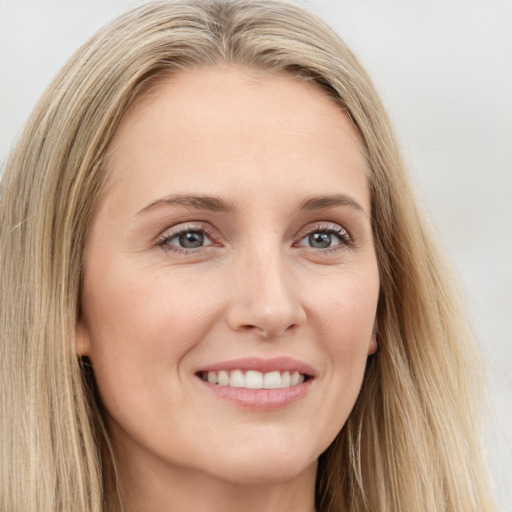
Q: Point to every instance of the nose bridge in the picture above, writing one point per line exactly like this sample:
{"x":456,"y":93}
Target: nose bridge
{"x":266,"y":298}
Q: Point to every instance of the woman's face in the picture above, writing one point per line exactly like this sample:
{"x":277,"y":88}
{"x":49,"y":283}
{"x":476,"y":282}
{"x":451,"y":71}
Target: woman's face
{"x":231,"y":282}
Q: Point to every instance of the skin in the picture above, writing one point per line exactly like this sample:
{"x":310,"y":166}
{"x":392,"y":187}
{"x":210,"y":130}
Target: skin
{"x":153,"y":314}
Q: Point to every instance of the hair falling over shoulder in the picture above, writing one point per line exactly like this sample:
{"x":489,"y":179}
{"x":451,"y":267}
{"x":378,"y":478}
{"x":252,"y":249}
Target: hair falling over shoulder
{"x":412,"y":442}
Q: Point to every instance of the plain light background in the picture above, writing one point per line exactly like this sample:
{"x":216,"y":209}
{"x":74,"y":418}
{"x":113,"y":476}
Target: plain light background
{"x":444,"y":71}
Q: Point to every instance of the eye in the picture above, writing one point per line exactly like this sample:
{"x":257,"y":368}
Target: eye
{"x":187,"y":238}
{"x":329,"y":237}
{"x":322,"y":240}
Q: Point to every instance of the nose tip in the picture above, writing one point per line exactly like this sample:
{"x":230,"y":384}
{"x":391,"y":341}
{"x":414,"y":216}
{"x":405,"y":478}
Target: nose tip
{"x":269,"y":324}
{"x":266,"y":302}
{"x":271,"y":321}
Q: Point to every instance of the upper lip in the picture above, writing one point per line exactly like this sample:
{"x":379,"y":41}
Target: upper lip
{"x":262,"y":365}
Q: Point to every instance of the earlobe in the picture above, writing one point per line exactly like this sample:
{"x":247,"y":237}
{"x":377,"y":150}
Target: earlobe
{"x":82,"y":343}
{"x":374,"y":343}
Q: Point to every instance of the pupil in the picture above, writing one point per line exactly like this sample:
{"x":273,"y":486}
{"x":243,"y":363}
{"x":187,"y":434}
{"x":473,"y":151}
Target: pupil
{"x":320,"y":240}
{"x":191,"y":239}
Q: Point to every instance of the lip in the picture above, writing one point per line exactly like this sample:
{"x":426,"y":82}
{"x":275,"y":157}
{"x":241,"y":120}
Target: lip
{"x":260,"y":399}
{"x":262,"y":365}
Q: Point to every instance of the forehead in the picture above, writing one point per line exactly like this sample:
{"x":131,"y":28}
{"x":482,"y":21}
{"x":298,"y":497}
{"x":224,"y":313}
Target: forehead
{"x":225,"y":124}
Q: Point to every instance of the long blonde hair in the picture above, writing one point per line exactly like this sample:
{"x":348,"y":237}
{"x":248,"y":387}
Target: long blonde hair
{"x":412,"y":441}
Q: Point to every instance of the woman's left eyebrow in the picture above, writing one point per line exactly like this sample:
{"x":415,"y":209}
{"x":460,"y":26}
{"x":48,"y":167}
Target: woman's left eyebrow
{"x":329,"y":201}
{"x":202,"y":202}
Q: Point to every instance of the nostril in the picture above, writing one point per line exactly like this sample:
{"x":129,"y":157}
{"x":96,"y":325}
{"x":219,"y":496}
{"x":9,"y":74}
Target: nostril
{"x":269,"y":332}
{"x":272,"y":318}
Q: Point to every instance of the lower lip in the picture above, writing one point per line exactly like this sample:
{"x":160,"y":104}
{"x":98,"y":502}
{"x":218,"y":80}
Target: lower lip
{"x":260,"y":399}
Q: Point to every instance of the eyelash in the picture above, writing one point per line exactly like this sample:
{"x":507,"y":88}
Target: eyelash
{"x":345,"y":239}
{"x":164,"y":239}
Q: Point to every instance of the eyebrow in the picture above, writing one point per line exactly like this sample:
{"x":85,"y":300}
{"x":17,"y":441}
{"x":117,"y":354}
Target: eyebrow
{"x":318,"y":203}
{"x":216,"y":204}
{"x":211,"y":203}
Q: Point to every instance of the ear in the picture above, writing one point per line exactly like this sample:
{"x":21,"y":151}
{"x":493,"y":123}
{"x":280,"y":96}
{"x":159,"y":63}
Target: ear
{"x":82,"y":339}
{"x":374,"y":344}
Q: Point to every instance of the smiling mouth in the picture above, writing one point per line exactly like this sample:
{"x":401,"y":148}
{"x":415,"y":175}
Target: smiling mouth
{"x":252,"y":379}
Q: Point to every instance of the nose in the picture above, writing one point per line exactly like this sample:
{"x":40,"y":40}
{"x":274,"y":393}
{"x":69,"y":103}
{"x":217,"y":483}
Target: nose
{"x":265,"y":298}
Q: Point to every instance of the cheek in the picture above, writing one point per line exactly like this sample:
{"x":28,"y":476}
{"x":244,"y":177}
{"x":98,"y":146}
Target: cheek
{"x":141,"y":330}
{"x":144,"y":304}
{"x":344,"y":315}
{"x":140,"y":325}
{"x":345,"y":309}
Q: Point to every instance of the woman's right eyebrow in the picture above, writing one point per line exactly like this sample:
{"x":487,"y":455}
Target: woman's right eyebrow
{"x":201,"y":202}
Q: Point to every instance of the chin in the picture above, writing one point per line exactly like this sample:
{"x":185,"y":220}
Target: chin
{"x":265,"y":465}
{"x":261,"y":473}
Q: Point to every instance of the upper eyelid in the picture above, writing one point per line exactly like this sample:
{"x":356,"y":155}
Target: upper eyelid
{"x":323,"y":226}
{"x":184,"y":227}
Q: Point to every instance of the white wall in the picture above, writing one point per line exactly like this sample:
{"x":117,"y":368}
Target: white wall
{"x":444,"y":68}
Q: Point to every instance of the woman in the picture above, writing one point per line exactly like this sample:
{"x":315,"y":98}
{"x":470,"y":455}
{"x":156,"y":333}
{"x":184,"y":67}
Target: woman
{"x":217,"y":287}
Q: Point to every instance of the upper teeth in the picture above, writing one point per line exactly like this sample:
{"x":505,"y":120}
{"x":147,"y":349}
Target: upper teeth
{"x":254,"y":380}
